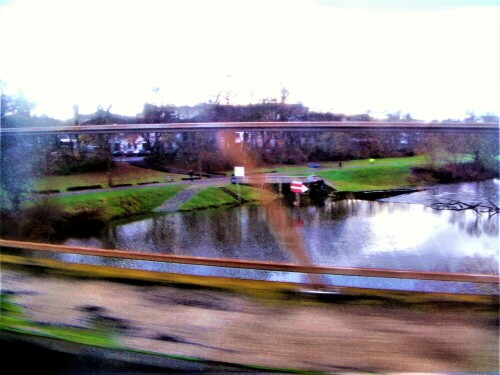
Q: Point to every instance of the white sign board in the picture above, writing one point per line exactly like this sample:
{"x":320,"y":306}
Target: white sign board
{"x":239,"y":171}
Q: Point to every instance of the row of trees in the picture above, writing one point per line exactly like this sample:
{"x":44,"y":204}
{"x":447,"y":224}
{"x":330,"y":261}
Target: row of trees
{"x":266,"y":111}
{"x":214,"y":151}
{"x":16,"y":111}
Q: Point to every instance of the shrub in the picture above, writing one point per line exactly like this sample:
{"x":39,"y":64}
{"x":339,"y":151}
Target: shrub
{"x":121,"y":185}
{"x":39,"y":222}
{"x":48,"y":191}
{"x":68,"y":164}
{"x":454,"y":172}
{"x":147,"y":183}
{"x":90,"y":187}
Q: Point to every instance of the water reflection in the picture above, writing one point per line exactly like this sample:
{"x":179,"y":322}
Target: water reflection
{"x":222,"y":233}
{"x":468,"y":192}
{"x":348,"y":233}
{"x":400,"y":236}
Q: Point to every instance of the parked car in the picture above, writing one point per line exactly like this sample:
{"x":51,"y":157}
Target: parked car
{"x":141,"y":152}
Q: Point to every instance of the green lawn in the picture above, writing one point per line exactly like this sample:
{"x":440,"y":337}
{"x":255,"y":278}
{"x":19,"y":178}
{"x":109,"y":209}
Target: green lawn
{"x":363,"y":174}
{"x":209,"y":197}
{"x":13,"y":319}
{"x":123,"y":173}
{"x":410,"y":160}
{"x":119,"y":203}
{"x":370,"y":177}
{"x":305,"y":170}
{"x":215,"y":197}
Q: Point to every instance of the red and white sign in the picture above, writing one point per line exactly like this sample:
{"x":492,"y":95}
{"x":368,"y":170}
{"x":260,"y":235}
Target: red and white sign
{"x":298,"y":187}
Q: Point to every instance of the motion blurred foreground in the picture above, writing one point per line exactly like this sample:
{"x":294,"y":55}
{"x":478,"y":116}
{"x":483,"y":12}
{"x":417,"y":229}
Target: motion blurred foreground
{"x":124,"y":321}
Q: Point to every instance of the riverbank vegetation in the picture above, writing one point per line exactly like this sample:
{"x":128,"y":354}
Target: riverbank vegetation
{"x":392,"y":173}
{"x":214,"y":197}
{"x":354,"y":175}
{"x":51,"y":217}
{"x":117,"y":204}
{"x":372,"y":177}
{"x":405,"y":174}
{"x":48,"y":218}
{"x":207,"y":198}
{"x":252,"y":194}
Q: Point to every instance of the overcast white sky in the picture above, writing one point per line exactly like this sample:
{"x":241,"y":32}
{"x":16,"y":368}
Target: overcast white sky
{"x":434,"y":61}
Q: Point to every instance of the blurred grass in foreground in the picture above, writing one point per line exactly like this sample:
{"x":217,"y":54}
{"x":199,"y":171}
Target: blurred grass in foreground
{"x":13,"y":319}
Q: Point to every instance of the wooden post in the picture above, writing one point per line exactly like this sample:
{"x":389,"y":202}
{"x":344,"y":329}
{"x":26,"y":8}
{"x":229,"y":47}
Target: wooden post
{"x":239,"y":193}
{"x":297,"y":200}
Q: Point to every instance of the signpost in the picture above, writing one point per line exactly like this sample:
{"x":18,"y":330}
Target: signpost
{"x":239,"y":172}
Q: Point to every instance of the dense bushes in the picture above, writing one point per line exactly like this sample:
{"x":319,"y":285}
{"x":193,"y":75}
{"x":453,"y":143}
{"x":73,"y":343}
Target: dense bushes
{"x":89,"y":187}
{"x":147,"y":183}
{"x":67,"y":164}
{"x":39,"y":222}
{"x":455,"y":172}
{"x":47,"y":191}
{"x":48,"y":221}
{"x":121,"y":185}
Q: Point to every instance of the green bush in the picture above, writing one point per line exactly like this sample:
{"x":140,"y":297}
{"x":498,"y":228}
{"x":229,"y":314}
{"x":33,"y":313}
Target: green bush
{"x":68,"y":164}
{"x":90,"y":187}
{"x":41,"y":221}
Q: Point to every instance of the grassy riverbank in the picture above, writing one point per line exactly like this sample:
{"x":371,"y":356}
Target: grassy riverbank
{"x":111,"y":205}
{"x":252,"y":194}
{"x":356,"y":175}
{"x":207,"y":198}
{"x":117,"y":204}
{"x":215,"y":197}
{"x":371,"y":177}
{"x":48,"y":218}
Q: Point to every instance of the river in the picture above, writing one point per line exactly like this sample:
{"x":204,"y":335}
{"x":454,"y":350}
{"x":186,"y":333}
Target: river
{"x":400,"y":233}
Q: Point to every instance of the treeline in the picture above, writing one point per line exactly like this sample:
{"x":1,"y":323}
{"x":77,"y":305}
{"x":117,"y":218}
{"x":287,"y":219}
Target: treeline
{"x":221,"y":150}
{"x":261,"y":112}
{"x":267,"y":111}
{"x":16,"y":112}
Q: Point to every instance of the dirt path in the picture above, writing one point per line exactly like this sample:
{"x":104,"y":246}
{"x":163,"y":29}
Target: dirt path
{"x":290,"y":333}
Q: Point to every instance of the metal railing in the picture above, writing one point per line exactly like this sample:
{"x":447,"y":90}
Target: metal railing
{"x":275,"y":179}
{"x":249,"y":126}
{"x":256,"y":265}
